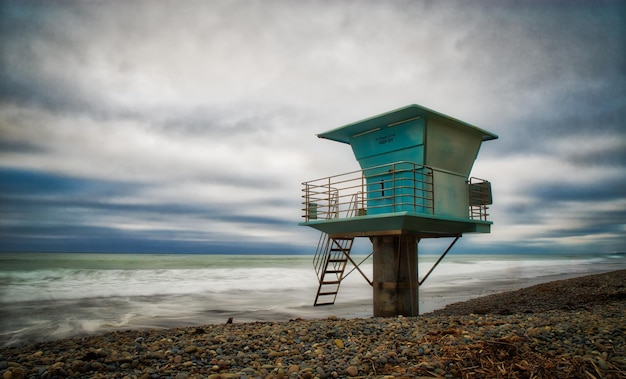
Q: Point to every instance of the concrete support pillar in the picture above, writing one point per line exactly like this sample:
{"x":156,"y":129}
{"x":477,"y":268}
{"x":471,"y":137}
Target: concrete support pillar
{"x":395,"y":276}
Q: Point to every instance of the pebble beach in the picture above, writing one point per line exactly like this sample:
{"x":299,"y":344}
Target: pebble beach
{"x":562,"y":329}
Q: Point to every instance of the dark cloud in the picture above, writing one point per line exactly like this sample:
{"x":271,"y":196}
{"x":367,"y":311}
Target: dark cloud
{"x":24,"y":147}
{"x":595,"y":222}
{"x":40,"y":190}
{"x":34,"y":33}
{"x":537,"y":46}
{"x":55,"y":213}
{"x":27,"y":183}
{"x":601,"y":190}
{"x":77,"y":238}
{"x":609,"y":156}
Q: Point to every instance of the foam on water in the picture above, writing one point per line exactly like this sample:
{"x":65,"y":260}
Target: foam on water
{"x":49,"y":296}
{"x":63,"y":284}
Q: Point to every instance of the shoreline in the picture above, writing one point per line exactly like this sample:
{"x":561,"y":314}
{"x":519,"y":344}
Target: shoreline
{"x":66,"y":297}
{"x":571,"y":327}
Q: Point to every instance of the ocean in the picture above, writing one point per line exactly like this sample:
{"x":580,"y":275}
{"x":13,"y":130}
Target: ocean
{"x":47,"y":296}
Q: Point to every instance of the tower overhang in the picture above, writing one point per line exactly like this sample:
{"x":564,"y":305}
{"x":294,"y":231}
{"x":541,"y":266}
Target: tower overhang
{"x":420,"y":225}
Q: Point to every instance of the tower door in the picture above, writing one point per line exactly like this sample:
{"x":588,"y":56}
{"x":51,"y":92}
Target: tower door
{"x":401,"y":188}
{"x":380,"y":193}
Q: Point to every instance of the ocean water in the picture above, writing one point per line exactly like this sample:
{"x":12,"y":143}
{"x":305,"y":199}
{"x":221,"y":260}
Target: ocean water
{"x":46,"y":296}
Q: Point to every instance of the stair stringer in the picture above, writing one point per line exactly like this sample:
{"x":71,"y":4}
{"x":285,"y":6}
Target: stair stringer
{"x":331,"y":268}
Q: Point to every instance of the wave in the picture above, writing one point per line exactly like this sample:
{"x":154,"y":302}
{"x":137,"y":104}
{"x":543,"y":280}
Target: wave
{"x":63,"y":284}
{"x":263,"y":274}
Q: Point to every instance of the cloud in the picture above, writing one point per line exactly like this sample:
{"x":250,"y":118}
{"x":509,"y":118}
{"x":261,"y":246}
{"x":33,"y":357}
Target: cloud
{"x":193,"y":124}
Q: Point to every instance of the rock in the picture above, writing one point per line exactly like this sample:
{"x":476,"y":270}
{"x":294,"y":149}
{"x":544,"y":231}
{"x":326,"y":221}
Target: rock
{"x":320,"y":372}
{"x":352,"y":371}
{"x":96,"y":366}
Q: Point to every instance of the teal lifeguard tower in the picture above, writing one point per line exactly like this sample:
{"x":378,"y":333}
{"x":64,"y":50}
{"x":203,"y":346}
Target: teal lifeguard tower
{"x":414,"y":183}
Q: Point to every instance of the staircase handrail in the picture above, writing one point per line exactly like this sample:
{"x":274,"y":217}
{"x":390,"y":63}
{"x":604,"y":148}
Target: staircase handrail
{"x":320,"y":257}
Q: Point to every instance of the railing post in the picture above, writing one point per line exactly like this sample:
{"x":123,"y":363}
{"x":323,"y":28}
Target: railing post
{"x":393,"y":187}
{"x":329,"y":200}
{"x":362,"y":189}
{"x":432,"y":190}
{"x":414,"y":189}
{"x":306,"y":202}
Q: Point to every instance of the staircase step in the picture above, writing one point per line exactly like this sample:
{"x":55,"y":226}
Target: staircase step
{"x":330,"y":282}
{"x":329,"y":303}
{"x":337,"y":260}
{"x":327,"y":293}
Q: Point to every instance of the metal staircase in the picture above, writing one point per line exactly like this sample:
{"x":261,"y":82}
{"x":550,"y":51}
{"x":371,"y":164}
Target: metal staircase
{"x":332,"y":255}
{"x":330,"y":263}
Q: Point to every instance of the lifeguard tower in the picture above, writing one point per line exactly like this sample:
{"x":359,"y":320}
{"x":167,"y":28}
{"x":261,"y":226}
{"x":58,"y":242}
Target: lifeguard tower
{"x":414,"y":183}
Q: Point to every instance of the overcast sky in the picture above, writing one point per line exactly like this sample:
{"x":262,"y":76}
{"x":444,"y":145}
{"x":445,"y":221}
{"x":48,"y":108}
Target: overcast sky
{"x":189,"y":126}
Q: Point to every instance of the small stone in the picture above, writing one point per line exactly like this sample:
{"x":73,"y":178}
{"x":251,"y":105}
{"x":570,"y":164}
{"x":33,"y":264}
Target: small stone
{"x":320,"y":372}
{"x":602,"y":364}
{"x":96,"y":366}
{"x":352,"y":371}
{"x":339,"y":343}
{"x":154,"y":355}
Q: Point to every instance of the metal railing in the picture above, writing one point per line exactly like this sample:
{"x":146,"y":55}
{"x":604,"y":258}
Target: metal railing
{"x":321,"y":257}
{"x":321,"y":254}
{"x":479,"y":198}
{"x":395,"y":187}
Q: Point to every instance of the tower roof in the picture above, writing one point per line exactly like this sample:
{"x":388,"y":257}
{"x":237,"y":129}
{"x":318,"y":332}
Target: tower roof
{"x":345,"y":133}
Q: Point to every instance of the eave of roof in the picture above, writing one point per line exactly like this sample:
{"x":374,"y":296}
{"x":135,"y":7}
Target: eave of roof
{"x":345,"y":133}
